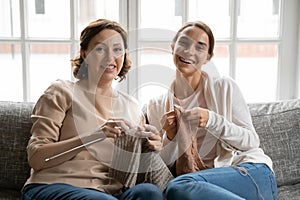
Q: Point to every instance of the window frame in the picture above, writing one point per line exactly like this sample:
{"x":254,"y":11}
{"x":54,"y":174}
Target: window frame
{"x":288,"y":80}
{"x":26,"y":41}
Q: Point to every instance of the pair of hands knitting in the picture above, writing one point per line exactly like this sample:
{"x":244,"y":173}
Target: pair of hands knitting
{"x":171,"y":120}
{"x":184,"y":124}
{"x":117,"y":127}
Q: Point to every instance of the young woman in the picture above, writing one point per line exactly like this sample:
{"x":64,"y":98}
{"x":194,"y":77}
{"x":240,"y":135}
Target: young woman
{"x":207,"y":130}
{"x":69,"y":117}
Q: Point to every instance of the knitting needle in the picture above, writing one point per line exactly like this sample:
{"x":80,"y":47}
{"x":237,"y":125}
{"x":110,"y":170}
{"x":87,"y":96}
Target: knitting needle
{"x":171,"y":101}
{"x":75,"y":148}
{"x":127,"y":132}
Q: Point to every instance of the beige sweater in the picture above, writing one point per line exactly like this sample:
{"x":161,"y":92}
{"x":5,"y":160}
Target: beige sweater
{"x":229,"y":137}
{"x":66,"y":110}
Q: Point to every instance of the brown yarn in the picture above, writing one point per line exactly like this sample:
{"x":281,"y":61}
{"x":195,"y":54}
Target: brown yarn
{"x":189,"y":159}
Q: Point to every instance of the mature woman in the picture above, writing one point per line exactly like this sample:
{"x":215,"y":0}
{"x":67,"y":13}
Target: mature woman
{"x":69,"y":117}
{"x":207,"y":130}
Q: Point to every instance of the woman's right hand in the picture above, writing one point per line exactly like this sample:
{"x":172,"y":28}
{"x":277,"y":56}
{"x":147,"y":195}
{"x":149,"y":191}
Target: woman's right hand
{"x":114,"y":127}
{"x":169,"y":122}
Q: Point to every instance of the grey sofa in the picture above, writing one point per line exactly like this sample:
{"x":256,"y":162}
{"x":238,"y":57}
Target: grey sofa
{"x":277,"y":123}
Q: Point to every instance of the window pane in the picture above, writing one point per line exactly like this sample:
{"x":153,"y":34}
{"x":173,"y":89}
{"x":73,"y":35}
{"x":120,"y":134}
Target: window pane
{"x":156,"y":71}
{"x":256,"y":71}
{"x":264,"y":23}
{"x":10,"y":18}
{"x":90,"y":10}
{"x":156,"y":53}
{"x":48,"y":62}
{"x":154,"y":34}
{"x":54,"y":22}
{"x":215,"y":13}
{"x":221,"y":59}
{"x":11,"y":65}
{"x":159,"y":14}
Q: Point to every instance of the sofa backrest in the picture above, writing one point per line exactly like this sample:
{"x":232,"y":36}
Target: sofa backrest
{"x":278,"y":125}
{"x":15,"y":125}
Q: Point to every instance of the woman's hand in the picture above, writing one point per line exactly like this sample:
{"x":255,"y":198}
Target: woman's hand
{"x":154,"y":141}
{"x":114,"y":127}
{"x":169,"y":122}
{"x":197,"y":115}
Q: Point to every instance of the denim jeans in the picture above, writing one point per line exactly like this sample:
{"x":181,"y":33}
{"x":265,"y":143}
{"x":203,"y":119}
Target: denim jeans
{"x":60,"y":191}
{"x":245,"y":181}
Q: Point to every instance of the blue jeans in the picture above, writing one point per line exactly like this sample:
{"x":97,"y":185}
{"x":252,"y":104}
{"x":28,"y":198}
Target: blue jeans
{"x":60,"y":191}
{"x":245,"y":181}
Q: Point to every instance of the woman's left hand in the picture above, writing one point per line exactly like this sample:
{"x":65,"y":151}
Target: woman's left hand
{"x":197,"y":114}
{"x":154,"y":141}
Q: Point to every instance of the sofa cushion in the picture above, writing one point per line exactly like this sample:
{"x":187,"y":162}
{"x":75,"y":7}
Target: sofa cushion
{"x":290,"y":192}
{"x":15,"y":127}
{"x":278,"y":125}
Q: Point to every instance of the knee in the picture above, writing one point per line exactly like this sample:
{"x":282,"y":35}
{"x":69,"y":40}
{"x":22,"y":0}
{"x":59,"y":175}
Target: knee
{"x":148,"y":191}
{"x":185,"y":179}
{"x":175,"y":191}
{"x":178,"y":188}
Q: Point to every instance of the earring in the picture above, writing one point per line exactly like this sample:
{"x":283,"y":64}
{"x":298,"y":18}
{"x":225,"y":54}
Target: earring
{"x":83,"y":71}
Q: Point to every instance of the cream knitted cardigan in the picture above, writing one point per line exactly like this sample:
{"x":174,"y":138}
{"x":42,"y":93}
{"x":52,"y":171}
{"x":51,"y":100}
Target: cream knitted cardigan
{"x":229,"y":121}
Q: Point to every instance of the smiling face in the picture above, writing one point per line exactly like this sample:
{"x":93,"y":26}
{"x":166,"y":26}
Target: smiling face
{"x":104,"y":56}
{"x":190,"y":50}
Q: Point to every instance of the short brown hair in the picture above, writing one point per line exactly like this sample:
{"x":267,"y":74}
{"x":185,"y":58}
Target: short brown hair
{"x":78,"y":64}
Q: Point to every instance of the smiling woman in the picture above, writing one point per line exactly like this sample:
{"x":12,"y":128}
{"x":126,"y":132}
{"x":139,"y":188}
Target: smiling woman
{"x":208,"y":136}
{"x":76,"y":126}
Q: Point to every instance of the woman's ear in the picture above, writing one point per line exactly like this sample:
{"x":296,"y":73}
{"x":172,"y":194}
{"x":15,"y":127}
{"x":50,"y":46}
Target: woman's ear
{"x":208,"y":58}
{"x":172,"y":47}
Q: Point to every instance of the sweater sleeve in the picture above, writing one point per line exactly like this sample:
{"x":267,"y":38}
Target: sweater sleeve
{"x":231,"y":122}
{"x":48,"y":115}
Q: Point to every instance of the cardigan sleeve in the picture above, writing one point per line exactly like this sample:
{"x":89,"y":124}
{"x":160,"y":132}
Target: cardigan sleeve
{"x":231,"y":121}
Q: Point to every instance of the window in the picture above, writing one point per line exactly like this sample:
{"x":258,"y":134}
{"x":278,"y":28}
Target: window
{"x":255,"y":43}
{"x":250,"y":40}
{"x":36,"y":44}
